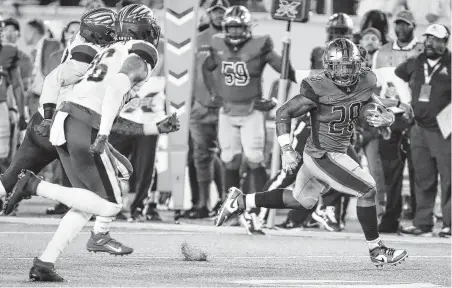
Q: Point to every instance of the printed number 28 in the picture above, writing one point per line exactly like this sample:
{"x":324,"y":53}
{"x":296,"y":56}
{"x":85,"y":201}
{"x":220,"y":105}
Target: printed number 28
{"x":350,"y":117}
{"x":235,"y":73}
{"x":99,"y":69}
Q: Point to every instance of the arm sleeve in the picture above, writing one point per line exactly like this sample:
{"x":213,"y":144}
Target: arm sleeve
{"x":210,"y":62}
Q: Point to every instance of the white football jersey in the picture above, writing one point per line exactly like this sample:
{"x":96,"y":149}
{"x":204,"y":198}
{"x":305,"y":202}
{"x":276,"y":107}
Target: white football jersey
{"x":90,"y":91}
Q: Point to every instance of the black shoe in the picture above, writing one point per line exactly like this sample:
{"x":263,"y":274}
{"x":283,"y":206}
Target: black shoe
{"x":58,"y":209}
{"x":445,"y":232}
{"x":153,"y":215}
{"x":415,"y":231}
{"x":44,"y":271}
{"x":24,"y":189}
{"x":199,"y":213}
{"x":288,"y":224}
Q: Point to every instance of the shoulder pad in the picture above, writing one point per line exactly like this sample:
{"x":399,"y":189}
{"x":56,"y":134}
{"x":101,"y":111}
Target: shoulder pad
{"x":307,"y":90}
{"x":315,"y":78}
{"x":84,"y":52}
{"x":145,"y":50}
{"x":217,"y":40}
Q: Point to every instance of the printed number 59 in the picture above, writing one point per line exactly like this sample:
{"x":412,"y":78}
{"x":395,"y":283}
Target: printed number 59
{"x":352,"y":115}
{"x":99,"y":69}
{"x":235,"y":73}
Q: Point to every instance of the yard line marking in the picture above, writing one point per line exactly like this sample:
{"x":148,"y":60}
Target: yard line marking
{"x":115,"y":232}
{"x":329,"y":283}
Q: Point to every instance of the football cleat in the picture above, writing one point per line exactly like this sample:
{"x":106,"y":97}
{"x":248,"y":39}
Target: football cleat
{"x":251,"y":223}
{"x":327,"y":218}
{"x":229,"y":207}
{"x":383,"y":255}
{"x":44,"y":271}
{"x":102,"y":242}
{"x":22,"y":190}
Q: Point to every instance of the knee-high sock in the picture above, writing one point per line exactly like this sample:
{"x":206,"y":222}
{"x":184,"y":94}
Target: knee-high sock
{"x":71,"y":224}
{"x":278,"y":198}
{"x":102,"y":224}
{"x":78,"y":198}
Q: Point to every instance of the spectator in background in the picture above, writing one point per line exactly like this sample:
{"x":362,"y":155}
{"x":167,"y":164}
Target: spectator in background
{"x":371,"y":41}
{"x":41,"y":49}
{"x":10,"y":35}
{"x":204,"y":116}
{"x":431,"y":11}
{"x":67,"y":35}
{"x":378,"y":20}
{"x":429,"y":77}
{"x":394,"y":158}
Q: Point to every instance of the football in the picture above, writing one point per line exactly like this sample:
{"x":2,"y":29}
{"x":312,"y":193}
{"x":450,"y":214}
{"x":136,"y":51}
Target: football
{"x":369,"y":109}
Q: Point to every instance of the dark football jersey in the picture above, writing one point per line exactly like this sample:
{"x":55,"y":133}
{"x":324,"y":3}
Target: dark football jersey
{"x":9,"y":57}
{"x":240,"y":69}
{"x":333,"y":120}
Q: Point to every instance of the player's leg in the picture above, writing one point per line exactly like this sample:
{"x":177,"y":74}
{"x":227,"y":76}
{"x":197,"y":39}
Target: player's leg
{"x":343,"y":174}
{"x":231,"y":149}
{"x":5,"y":135}
{"x":34,"y":153}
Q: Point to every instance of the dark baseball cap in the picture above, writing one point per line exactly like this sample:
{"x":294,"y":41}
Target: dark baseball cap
{"x":222,"y":4}
{"x":405,"y":16}
{"x":12,"y":22}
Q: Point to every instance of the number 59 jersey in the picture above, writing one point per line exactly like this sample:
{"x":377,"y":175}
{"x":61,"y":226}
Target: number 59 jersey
{"x":333,"y":120}
{"x":90,"y":91}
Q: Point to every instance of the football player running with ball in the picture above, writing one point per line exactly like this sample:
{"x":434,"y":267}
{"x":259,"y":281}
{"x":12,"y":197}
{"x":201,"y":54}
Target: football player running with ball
{"x":115,"y":75}
{"x":334,"y":99}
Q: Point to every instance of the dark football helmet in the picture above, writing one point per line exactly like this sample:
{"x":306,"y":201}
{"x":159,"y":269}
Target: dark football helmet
{"x":340,"y":25}
{"x":237,"y":25}
{"x":98,"y":26}
{"x":342,"y":62}
{"x":137,"y":22}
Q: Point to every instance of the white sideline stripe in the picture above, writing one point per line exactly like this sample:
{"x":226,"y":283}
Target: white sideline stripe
{"x":89,"y":233}
{"x":203,"y":229}
{"x":243,"y":257}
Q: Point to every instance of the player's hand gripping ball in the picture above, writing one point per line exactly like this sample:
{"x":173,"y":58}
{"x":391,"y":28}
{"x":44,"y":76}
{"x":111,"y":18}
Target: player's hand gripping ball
{"x":290,"y":159}
{"x":376,"y":115}
{"x":169,"y":124}
{"x":43,"y":129}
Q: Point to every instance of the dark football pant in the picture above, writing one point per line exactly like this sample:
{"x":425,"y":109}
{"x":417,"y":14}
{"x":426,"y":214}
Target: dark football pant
{"x":84,"y":170}
{"x":34,"y":154}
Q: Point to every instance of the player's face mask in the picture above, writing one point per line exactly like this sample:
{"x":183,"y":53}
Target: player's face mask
{"x":236,"y":33}
{"x":343,"y":73}
{"x":339,"y":32}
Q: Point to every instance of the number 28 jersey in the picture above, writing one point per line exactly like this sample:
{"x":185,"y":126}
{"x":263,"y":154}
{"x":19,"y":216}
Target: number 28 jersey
{"x":336,"y":113}
{"x":90,"y":91}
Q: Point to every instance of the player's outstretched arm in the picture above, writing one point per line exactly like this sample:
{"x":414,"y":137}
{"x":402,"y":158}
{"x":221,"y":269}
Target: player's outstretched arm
{"x":124,"y":126}
{"x":132,"y":71}
{"x":275,"y":60}
{"x":18,"y":91}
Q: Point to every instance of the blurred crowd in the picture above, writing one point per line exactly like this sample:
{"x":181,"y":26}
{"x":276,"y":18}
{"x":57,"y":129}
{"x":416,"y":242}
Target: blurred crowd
{"x":414,"y":143}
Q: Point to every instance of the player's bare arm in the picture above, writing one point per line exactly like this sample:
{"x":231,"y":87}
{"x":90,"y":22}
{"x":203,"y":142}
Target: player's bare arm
{"x":18,"y":91}
{"x":275,"y":60}
{"x":132,"y":71}
{"x":294,"y":108}
{"x":208,"y":66}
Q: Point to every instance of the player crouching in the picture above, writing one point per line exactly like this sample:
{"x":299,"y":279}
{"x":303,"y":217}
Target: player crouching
{"x":335,"y":99}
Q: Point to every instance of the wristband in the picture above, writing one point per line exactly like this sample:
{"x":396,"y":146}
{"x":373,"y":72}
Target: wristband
{"x":284,"y":140}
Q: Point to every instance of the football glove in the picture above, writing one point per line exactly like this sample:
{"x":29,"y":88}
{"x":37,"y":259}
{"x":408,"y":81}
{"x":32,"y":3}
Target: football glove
{"x":169,"y":124}
{"x":22,"y":123}
{"x":378,"y":119}
{"x":98,"y":147}
{"x":265,"y":104}
{"x":290,"y":159}
{"x":43,"y":129}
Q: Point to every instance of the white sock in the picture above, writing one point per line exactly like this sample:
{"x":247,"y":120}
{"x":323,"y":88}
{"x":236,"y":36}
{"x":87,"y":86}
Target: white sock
{"x":2,"y":190}
{"x":78,"y":198}
{"x":102,"y":224}
{"x":250,"y":200}
{"x":374,"y":243}
{"x":71,"y":224}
